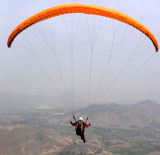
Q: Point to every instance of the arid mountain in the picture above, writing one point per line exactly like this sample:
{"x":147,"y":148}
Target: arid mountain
{"x":145,"y":113}
{"x":107,"y":115}
{"x":23,"y":140}
{"x":29,"y":126}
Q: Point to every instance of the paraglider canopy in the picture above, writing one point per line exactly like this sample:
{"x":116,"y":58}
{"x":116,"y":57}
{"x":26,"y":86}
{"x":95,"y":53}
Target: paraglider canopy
{"x":86,"y":9}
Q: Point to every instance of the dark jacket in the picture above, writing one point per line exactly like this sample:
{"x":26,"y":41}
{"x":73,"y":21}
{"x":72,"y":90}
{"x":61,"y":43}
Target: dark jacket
{"x":80,"y":128}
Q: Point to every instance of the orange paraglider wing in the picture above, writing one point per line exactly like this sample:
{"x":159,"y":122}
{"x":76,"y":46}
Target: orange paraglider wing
{"x":86,"y":9}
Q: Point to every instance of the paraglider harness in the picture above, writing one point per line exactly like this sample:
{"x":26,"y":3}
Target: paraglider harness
{"x":80,"y":127}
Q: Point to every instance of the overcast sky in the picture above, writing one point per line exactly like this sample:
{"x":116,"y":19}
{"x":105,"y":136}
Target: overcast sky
{"x":16,"y":75}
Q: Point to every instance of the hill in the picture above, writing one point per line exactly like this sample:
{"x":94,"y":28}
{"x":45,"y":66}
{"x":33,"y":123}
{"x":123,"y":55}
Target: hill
{"x":145,"y":113}
{"x":36,"y":125}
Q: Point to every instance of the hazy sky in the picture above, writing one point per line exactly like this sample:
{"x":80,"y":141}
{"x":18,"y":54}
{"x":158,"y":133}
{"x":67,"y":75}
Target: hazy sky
{"x":21,"y":74}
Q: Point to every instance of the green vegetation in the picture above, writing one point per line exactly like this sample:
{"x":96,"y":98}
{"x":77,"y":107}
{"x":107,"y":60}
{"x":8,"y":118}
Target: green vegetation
{"x":138,"y":141}
{"x":42,"y":125}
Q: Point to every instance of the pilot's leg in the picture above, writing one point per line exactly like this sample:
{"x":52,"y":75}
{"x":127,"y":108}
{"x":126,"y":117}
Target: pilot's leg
{"x":83,"y":138}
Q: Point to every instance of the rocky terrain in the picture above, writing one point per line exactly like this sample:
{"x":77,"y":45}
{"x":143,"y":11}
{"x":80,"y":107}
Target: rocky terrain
{"x":39,"y":127}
